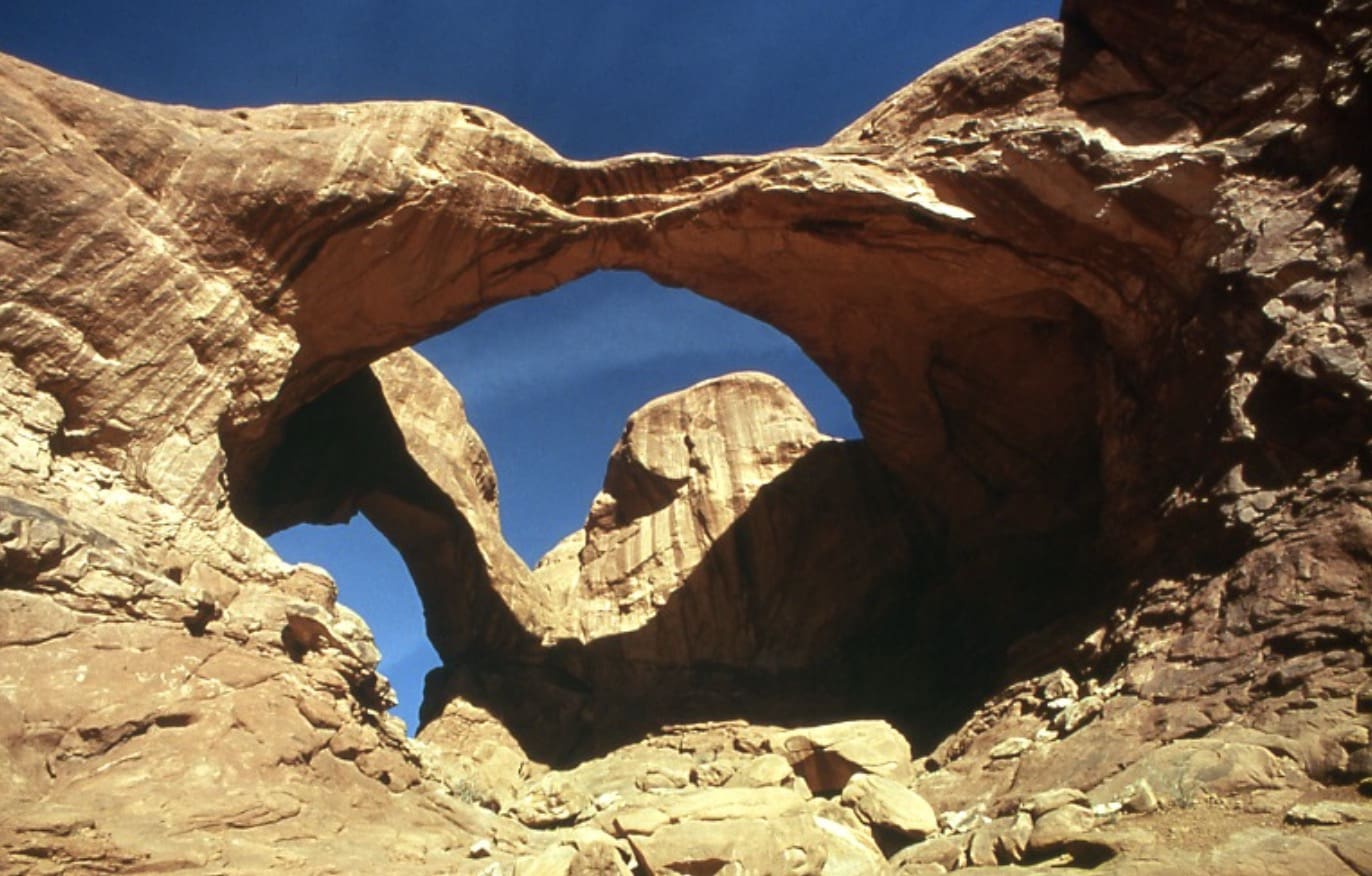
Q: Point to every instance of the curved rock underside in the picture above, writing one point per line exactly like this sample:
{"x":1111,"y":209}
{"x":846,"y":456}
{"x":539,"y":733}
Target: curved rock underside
{"x":1097,"y":290}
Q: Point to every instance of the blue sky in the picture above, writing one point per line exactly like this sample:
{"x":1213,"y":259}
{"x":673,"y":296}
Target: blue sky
{"x":548,"y":381}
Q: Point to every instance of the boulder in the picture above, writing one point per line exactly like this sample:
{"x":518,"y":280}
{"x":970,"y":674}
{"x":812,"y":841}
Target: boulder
{"x":828,"y":756}
{"x":785,"y":845}
{"x":1046,"y":801}
{"x":555,"y":799}
{"x":1056,"y":828}
{"x":945,"y":852}
{"x":889,"y":805}
{"x":766,"y":771}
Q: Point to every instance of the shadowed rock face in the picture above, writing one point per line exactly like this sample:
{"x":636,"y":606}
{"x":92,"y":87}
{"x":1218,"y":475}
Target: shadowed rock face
{"x":733,"y":564}
{"x":1097,"y":290}
{"x":393,"y":442}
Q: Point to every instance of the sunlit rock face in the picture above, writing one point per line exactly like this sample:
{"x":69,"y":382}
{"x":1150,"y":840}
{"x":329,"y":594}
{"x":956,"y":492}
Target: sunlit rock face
{"x":730,"y":524}
{"x":1098,"y":293}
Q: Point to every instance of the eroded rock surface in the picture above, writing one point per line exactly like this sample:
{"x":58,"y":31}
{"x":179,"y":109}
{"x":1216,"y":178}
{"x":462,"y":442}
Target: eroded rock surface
{"x":732,"y":526}
{"x":733,"y":556}
{"x":1097,"y":289}
{"x":197,"y":717}
{"x":724,"y":488}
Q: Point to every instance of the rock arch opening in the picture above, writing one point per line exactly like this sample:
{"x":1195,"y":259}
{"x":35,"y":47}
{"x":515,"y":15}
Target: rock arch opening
{"x":1019,"y":397}
{"x":807,"y":582}
{"x":549,"y":382}
{"x":1101,"y":310}
{"x":620,"y":338}
{"x":373,"y":581}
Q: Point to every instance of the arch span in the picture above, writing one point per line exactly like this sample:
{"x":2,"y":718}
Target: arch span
{"x":939,"y":285}
{"x":931,"y":266}
{"x":975,"y":345}
{"x":1060,"y":327}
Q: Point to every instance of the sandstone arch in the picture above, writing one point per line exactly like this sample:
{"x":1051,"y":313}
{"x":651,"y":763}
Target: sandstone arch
{"x":926,"y":287}
{"x":991,"y":291}
{"x":407,"y":236}
{"x":1112,"y":218}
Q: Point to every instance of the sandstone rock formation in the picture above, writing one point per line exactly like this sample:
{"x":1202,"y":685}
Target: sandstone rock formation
{"x":1097,"y":289}
{"x":732,"y":558}
{"x":725,"y":496}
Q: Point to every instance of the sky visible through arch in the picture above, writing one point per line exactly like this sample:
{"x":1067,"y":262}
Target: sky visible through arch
{"x":549,"y":381}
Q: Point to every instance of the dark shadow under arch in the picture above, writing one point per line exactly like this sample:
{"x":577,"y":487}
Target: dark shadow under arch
{"x":922,"y":645}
